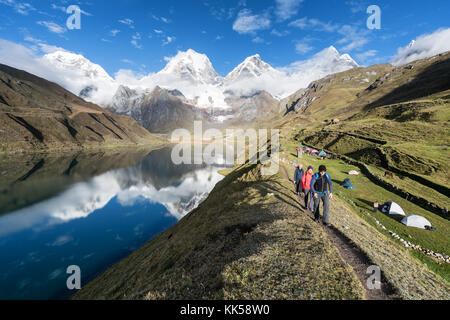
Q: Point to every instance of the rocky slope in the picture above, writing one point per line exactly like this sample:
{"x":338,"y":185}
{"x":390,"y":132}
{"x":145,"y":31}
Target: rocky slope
{"x":162,"y":110}
{"x":159,"y":110}
{"x":36,"y":114}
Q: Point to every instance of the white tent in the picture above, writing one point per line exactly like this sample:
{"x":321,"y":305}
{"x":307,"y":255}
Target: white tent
{"x":353,"y":173}
{"x":416,"y":222}
{"x":393,"y":209}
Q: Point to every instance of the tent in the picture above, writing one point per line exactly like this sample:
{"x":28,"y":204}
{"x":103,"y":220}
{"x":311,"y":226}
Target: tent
{"x":347,"y":184}
{"x":392,"y":209}
{"x":314,"y":151}
{"x":322,"y":154}
{"x":416,"y":222}
{"x":353,"y":173}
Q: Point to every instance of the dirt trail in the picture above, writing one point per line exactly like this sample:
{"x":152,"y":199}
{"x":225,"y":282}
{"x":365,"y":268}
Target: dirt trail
{"x":352,"y":255}
{"x":77,"y":109}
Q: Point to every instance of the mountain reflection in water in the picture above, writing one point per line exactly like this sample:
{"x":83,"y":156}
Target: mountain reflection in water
{"x":89,"y":210}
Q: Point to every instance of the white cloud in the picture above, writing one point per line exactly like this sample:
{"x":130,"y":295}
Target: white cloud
{"x":135,"y":40}
{"x":163,"y":19}
{"x":354,"y":38}
{"x":60,"y":8}
{"x":52,"y":27}
{"x":277,"y":33}
{"x":168,"y":40}
{"x":127,"y":22}
{"x":114,"y":32}
{"x":356,"y":6}
{"x":258,"y":40}
{"x":314,"y":24}
{"x":249,"y":23}
{"x":425,"y":46}
{"x":303,"y":48}
{"x":63,"y":9}
{"x":366,"y":55}
{"x":22,"y":8}
{"x":287,"y":8}
{"x":158,"y":31}
{"x":43,"y":46}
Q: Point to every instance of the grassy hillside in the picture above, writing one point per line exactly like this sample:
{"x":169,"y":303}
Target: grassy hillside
{"x":37,"y":115}
{"x":399,"y":122}
{"x":242,"y":243}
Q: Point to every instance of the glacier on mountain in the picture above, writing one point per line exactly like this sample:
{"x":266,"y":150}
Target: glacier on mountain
{"x":193,"y":75}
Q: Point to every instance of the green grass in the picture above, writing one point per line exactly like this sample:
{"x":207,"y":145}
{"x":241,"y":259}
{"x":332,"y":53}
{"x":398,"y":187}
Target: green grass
{"x":413,"y":187}
{"x":366,"y":193}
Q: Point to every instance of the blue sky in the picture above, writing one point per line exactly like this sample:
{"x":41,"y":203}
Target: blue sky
{"x":139,"y":34}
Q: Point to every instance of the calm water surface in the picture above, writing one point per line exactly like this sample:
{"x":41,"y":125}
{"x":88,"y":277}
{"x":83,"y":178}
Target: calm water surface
{"x":89,"y":210}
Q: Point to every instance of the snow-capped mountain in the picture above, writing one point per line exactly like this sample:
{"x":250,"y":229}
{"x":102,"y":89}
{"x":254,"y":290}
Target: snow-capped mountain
{"x":81,"y":76}
{"x":192,"y":82}
{"x":327,"y":61}
{"x":302,"y":73}
{"x":125,"y":100}
{"x":252,"y":67}
{"x":192,"y":66}
{"x":254,"y":75}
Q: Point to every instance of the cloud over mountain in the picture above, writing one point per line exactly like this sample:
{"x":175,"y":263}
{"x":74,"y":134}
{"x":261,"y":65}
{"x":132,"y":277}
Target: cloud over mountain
{"x":424,"y":46}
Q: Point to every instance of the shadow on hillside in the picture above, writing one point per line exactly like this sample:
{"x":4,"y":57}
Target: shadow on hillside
{"x":435,"y":78}
{"x":369,"y":203}
{"x":290,"y":108}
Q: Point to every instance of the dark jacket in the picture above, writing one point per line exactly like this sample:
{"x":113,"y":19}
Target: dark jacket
{"x":298,"y":175}
{"x":321,"y":184}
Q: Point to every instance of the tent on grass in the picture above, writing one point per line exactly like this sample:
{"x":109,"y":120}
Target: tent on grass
{"x":392,"y":209}
{"x":416,"y":222}
{"x":347,"y":184}
{"x":314,"y":151}
{"x":353,"y":173}
{"x":322,"y":154}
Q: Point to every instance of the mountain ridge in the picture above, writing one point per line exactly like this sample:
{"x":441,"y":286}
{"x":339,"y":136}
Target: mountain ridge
{"x":193,"y":74}
{"x":39,"y":115}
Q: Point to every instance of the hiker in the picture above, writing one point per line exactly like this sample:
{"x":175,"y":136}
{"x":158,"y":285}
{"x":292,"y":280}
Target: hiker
{"x":299,"y":153}
{"x":322,"y":189}
{"x":298,"y":175}
{"x":306,"y":184}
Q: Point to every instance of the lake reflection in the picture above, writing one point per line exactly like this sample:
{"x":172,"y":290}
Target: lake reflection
{"x":89,"y":211}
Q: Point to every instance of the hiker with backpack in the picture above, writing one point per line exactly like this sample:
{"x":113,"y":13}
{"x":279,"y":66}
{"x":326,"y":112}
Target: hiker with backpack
{"x":322,"y":189}
{"x":298,"y":175}
{"x":306,"y":184}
